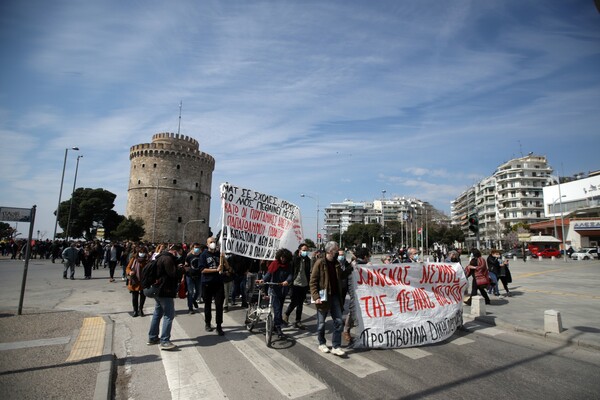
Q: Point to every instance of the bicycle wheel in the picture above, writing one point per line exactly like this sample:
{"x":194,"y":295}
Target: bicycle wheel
{"x":252,"y":315}
{"x":269,"y":329}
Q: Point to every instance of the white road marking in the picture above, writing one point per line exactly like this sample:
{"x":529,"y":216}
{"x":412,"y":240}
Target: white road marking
{"x":490,"y":331}
{"x":413,"y":353}
{"x":289,"y":379}
{"x":187,"y":373}
{"x":35,"y":343}
{"x":354,"y":363}
{"x":460,"y":341}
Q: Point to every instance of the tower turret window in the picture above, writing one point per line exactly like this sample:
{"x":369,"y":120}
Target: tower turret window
{"x":174,"y":181}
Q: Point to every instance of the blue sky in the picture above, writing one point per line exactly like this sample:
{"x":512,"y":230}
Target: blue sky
{"x":334,"y":99}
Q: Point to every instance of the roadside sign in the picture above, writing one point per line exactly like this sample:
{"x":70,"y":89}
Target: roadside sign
{"x":524,"y":237}
{"x":15,"y":214}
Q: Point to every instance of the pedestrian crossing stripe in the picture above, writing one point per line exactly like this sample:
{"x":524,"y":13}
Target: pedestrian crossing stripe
{"x":187,"y":373}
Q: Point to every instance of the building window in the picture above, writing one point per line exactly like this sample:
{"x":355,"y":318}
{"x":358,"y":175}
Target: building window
{"x":191,"y":197}
{"x":179,"y":219}
{"x":154,"y":165}
{"x":174,"y":181}
{"x":145,"y":194}
{"x":143,"y":165}
{"x":178,"y":166}
{"x":196,"y":184}
{"x":139,"y":182}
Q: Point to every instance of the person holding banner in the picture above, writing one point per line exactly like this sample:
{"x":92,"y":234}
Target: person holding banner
{"x":211,"y":268}
{"x":326,"y":291}
{"x":362,"y":256}
{"x":301,"y":263}
{"x":280,"y":271}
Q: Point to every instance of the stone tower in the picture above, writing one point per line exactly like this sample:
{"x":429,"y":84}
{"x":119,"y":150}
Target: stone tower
{"x":169,"y":188}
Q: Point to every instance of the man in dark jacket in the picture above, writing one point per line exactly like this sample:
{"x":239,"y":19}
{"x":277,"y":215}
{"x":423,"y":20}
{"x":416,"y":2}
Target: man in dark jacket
{"x":212,"y":268}
{"x":301,"y":264}
{"x":170,"y":269}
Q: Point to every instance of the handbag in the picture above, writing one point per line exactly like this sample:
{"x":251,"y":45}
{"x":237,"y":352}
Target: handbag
{"x":482,"y":280}
{"x":182,"y":290}
{"x":153,"y":291}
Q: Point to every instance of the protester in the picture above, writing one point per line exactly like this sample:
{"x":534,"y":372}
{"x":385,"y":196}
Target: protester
{"x":362,"y":255}
{"x":326,"y":291}
{"x":169,"y":271}
{"x":280,"y":271}
{"x":212,"y":269}
{"x":301,"y":271}
{"x":135,"y":273}
{"x":193,"y":277}
{"x":493,"y":263}
{"x":70,"y":256}
{"x":479,"y":271}
{"x":87,"y":260}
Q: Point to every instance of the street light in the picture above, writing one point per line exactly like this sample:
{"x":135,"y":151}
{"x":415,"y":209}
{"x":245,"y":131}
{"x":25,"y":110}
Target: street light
{"x":554,"y":212}
{"x":185,"y":226}
{"x":155,"y":205}
{"x":383,"y":218}
{"x":562,"y":223}
{"x":72,"y":194}
{"x":317,"y":200}
{"x":62,"y":179}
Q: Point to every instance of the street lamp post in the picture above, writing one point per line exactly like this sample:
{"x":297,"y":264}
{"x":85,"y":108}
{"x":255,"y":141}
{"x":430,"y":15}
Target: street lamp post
{"x":383,"y":218}
{"x":317,"y":200}
{"x":155,"y":208}
{"x":185,"y":226}
{"x":71,"y":203}
{"x":554,"y":212}
{"x":562,"y":223}
{"x":62,"y":179}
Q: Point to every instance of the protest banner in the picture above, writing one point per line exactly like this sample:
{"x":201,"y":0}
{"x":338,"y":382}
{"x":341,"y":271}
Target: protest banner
{"x":256,"y":224}
{"x":407,"y":305}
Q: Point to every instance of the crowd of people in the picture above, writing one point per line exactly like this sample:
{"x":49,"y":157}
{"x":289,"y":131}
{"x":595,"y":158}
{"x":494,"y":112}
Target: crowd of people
{"x":219,"y":280}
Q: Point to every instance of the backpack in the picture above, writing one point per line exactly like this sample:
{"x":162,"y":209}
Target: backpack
{"x":150,"y":273}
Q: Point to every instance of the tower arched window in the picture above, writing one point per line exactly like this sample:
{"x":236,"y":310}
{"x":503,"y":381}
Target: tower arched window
{"x":178,"y":166}
{"x":191,"y":197}
{"x":179,"y":219}
{"x":174,"y":181}
{"x":145,"y":194}
{"x":139,"y":182}
{"x":154,"y":165}
{"x":143,"y":165}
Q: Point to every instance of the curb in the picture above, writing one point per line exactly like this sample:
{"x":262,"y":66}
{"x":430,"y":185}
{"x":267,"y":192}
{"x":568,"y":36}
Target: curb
{"x":491,"y":321}
{"x":104,"y":381}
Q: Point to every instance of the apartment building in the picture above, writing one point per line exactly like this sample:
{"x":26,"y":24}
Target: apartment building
{"x":513,"y":194}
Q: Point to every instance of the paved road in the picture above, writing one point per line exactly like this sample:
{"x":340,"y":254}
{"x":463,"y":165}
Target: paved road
{"x":508,"y":345}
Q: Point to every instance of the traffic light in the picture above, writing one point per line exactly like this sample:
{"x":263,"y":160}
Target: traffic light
{"x":474,"y":223}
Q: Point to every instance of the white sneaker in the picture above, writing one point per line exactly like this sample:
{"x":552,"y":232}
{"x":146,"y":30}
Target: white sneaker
{"x":338,"y":352}
{"x":323,"y":348}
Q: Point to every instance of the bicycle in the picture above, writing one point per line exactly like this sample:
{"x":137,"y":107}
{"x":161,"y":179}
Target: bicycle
{"x":259,"y":304}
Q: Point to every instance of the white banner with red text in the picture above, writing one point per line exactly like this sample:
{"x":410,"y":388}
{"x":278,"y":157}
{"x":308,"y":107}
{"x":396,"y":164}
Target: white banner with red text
{"x":407,"y":305}
{"x":256,"y":224}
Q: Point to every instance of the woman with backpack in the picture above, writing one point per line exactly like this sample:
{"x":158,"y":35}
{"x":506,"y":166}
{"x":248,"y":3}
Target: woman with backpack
{"x":135,"y":272}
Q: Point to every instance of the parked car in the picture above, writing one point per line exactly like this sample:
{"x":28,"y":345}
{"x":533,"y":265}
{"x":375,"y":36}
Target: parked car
{"x":587,"y":253}
{"x":547,"y":253}
{"x":516,"y":253}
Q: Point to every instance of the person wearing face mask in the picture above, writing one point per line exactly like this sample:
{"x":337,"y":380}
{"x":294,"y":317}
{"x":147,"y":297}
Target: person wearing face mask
{"x":412,"y":255}
{"x":362,"y":255}
{"x":135,"y":271}
{"x":193,"y":277}
{"x":212,"y":270}
{"x":170,"y":268}
{"x":301,"y":268}
{"x":326,"y":291}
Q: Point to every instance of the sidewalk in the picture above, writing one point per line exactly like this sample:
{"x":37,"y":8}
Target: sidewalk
{"x":567,"y":287}
{"x":55,"y":354}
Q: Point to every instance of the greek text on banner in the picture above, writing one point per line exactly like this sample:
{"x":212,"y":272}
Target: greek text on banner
{"x":256,"y":224}
{"x":407,"y":305}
